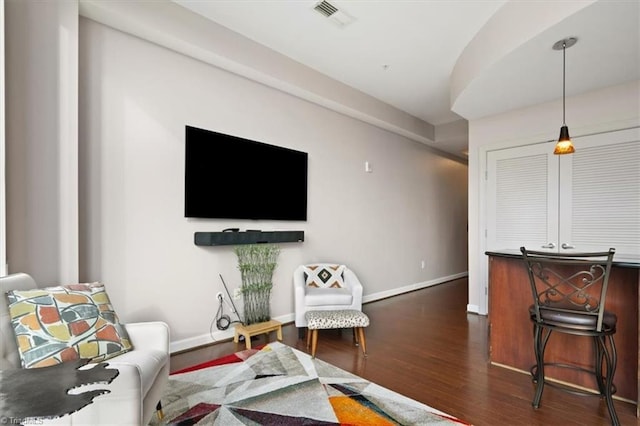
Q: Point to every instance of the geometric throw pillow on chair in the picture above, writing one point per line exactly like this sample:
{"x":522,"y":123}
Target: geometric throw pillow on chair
{"x":324,"y":275}
{"x":57,"y":324}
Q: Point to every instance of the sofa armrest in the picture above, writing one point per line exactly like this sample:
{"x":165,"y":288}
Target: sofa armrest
{"x":149,"y":335}
{"x":5,"y":364}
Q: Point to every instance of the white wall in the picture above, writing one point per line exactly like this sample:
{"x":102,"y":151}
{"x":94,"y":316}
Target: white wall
{"x":41,"y":138}
{"x":118,"y":215}
{"x":603,"y":110}
{"x":135,"y":99}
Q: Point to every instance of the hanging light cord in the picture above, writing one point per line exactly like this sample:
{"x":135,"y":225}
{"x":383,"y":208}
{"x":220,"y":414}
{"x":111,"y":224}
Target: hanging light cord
{"x":564,"y":54}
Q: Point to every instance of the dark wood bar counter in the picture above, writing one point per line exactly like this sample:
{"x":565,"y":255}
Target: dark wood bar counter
{"x":511,"y":331}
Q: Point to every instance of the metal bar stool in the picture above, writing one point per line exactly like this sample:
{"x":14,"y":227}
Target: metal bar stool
{"x":569,"y":292}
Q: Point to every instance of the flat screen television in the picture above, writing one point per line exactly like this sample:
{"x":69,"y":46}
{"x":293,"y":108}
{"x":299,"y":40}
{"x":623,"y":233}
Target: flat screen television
{"x":228,"y":177}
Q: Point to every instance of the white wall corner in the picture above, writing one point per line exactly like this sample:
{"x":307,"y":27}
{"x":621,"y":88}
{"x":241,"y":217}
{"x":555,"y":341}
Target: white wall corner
{"x":3,"y":188}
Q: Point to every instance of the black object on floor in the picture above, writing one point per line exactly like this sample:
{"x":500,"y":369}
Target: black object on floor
{"x":27,"y":393}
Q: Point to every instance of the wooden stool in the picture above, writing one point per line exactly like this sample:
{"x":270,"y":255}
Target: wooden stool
{"x":260,"y":328}
{"x":348,"y":318}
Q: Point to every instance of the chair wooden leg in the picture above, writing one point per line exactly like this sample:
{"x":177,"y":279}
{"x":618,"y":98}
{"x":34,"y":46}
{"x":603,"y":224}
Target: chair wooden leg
{"x":363,"y":343}
{"x":314,"y":342}
{"x":159,"y":411}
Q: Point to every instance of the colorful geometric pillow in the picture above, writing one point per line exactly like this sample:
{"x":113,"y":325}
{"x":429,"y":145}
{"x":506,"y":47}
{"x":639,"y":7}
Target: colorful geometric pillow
{"x":324,"y":275}
{"x":64,"y":323}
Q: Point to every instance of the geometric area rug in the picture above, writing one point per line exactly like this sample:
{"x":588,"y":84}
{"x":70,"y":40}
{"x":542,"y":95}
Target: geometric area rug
{"x":280,"y":385}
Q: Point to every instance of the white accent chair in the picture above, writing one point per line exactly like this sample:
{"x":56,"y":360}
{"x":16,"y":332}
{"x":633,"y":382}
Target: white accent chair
{"x":324,"y":299}
{"x":134,"y":393}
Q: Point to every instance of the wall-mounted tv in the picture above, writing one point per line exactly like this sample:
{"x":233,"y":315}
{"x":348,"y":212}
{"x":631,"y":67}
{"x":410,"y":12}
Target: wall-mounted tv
{"x":228,"y":177}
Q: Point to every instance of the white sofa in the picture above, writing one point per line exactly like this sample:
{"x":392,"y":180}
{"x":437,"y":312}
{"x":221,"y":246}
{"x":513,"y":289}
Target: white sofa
{"x":143,"y":372}
{"x":324,"y":299}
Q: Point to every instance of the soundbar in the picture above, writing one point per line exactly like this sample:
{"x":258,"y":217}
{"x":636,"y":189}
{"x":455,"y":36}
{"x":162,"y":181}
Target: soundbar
{"x":247,"y":237}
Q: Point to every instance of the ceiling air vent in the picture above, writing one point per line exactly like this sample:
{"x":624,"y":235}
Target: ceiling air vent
{"x":331,"y":12}
{"x":326,"y":8}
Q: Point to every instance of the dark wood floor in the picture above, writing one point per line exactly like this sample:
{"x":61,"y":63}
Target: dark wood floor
{"x":426,"y":346}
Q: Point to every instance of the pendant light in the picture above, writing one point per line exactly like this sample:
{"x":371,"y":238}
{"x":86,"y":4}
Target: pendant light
{"x":564,"y":144}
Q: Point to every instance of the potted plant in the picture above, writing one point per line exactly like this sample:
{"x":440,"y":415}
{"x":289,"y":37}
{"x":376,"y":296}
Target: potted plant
{"x":256,"y":263}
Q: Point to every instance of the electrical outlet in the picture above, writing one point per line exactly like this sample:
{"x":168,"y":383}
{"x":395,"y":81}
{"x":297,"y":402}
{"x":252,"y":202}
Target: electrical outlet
{"x":219,"y":296}
{"x":422,"y":264}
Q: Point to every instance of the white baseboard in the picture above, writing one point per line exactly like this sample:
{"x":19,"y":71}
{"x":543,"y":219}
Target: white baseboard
{"x":474,"y":309}
{"x":220,"y":335}
{"x":411,"y":287}
{"x":216,"y":336}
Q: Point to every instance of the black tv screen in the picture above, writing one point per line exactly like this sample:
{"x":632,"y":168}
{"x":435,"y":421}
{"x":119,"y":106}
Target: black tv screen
{"x":228,"y":177}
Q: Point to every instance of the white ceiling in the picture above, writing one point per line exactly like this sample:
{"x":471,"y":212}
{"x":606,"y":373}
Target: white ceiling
{"x":403,"y":52}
